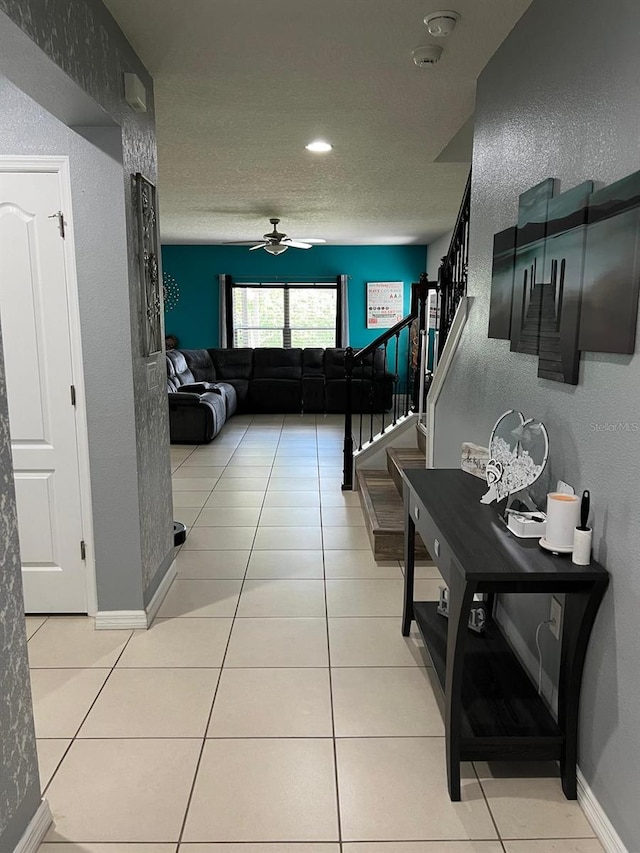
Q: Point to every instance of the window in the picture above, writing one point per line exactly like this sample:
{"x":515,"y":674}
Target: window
{"x":283,"y":314}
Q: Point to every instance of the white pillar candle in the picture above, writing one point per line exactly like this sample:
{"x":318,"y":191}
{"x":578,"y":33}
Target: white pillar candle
{"x":563,"y":515}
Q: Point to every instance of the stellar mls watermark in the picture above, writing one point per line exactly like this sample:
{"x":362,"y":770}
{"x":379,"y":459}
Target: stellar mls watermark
{"x":614,"y":426}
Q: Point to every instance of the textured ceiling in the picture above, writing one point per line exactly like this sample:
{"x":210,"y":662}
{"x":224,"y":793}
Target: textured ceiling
{"x":242,"y":85}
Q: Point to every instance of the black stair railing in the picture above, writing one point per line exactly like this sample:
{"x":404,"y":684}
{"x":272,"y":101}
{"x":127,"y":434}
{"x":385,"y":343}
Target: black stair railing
{"x":391,"y":365}
{"x":382,"y":379}
{"x":452,"y":275}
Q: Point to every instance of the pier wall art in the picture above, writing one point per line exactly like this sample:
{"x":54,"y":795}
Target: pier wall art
{"x":566,"y":278}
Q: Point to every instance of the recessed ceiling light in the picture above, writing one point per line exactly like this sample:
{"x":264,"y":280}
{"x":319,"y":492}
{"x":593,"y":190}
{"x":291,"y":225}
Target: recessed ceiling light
{"x":318,"y":146}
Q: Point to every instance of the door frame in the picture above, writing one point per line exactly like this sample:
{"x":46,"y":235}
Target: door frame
{"x":59,"y":165}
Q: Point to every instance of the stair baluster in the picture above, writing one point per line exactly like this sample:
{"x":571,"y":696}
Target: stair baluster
{"x":407,"y":376}
{"x":384,"y":370}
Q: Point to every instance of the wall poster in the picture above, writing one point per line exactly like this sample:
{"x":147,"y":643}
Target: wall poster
{"x":385,"y":304}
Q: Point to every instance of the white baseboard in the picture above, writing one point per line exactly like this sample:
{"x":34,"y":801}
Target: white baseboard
{"x":161,"y":592}
{"x":35,"y":832}
{"x":596,"y":816}
{"x":110,"y":620}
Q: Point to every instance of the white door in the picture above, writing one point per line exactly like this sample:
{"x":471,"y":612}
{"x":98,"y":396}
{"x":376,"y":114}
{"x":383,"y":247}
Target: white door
{"x":34,"y":316}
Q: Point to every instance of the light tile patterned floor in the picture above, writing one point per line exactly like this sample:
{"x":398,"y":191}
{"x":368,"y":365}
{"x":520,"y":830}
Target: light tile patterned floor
{"x":274,"y":706}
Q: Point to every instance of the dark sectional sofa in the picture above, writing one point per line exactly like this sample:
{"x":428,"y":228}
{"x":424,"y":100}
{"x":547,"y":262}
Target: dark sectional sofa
{"x":207,"y":385}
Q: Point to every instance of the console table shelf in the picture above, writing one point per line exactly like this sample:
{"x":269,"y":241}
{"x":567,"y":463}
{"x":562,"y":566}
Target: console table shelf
{"x":492,"y":708}
{"x":499,"y":701}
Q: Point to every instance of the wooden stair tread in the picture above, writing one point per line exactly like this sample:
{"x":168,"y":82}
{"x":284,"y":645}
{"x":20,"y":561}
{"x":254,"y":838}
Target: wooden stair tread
{"x":407,"y":457}
{"x":384,"y":505}
{"x":401,"y":458}
{"x":384,"y":516}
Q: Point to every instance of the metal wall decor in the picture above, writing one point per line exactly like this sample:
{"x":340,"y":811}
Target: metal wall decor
{"x":567,"y":278}
{"x":150,"y":295}
{"x":170,"y":291}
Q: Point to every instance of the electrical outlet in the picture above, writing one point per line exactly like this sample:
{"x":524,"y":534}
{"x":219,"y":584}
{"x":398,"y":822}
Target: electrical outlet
{"x":555,"y":614}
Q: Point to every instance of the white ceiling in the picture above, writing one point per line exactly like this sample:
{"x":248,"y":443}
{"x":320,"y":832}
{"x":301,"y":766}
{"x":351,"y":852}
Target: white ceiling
{"x":242,"y":85}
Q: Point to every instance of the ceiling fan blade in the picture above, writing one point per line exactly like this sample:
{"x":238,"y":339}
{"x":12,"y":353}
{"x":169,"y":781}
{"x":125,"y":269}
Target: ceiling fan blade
{"x":239,"y":243}
{"x":258,"y":246}
{"x":311,"y":240}
{"x":296,"y":244}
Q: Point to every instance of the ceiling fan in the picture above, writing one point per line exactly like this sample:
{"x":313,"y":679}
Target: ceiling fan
{"x":276,"y":242}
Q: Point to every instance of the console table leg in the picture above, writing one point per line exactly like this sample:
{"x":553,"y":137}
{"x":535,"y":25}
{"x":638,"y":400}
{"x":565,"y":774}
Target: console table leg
{"x":580,"y":609}
{"x":409,"y":569}
{"x":460,"y":601}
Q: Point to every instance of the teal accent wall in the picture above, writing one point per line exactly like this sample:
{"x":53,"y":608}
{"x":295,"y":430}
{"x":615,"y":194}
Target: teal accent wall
{"x":195,"y":319}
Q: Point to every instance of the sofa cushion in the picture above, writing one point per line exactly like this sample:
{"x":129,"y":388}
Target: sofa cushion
{"x":313,"y":361}
{"x":277,"y":363}
{"x":241,"y":387}
{"x":228,"y":394}
{"x":195,"y":418}
{"x":177,"y":368}
{"x":275,"y":395}
{"x":200,"y":364}
{"x":232,"y":363}
{"x":334,"y":363}
{"x":313,"y":393}
{"x":362,"y":398}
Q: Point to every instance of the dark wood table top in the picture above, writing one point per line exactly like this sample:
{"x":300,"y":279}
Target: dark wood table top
{"x":484,"y":548}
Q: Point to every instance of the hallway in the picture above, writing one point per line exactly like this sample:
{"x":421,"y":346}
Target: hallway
{"x":274,"y":706}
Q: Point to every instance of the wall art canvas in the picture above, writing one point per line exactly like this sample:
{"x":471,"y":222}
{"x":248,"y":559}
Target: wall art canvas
{"x":571,"y":274}
{"x":529,"y":266}
{"x":148,"y":265}
{"x":612,"y":269}
{"x":560,"y":291}
{"x":504,"y":261}
{"x":385,"y":304}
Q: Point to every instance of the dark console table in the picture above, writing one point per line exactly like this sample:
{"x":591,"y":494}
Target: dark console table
{"x":492,"y":708}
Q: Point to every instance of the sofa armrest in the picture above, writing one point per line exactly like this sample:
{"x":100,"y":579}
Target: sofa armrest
{"x":196,"y":388}
{"x":183,"y":398}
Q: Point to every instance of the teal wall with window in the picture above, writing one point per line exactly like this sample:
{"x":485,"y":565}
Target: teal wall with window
{"x":195,"y":318}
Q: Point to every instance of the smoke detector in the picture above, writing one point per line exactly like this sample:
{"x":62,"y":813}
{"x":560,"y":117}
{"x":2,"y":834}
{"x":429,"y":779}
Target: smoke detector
{"x":426,"y":54}
{"x":441,"y":24}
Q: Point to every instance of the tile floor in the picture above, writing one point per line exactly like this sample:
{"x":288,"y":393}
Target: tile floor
{"x":274,"y":706}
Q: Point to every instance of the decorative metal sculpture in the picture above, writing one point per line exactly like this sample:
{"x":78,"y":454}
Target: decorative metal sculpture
{"x":518,"y":451}
{"x":150,"y":296}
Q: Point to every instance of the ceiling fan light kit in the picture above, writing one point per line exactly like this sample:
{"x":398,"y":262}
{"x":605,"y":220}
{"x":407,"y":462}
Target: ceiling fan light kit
{"x":276,"y":242}
{"x":275,"y":249}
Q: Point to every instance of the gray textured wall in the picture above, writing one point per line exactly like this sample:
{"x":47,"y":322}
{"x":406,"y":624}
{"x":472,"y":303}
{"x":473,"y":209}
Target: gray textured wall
{"x":82,"y":39}
{"x":19,"y":783}
{"x":101,"y":259}
{"x":561,"y":99}
{"x":78,"y":75}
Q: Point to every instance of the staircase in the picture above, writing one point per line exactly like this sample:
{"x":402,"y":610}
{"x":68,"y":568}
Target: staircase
{"x":381,"y":498}
{"x":416,"y":375}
